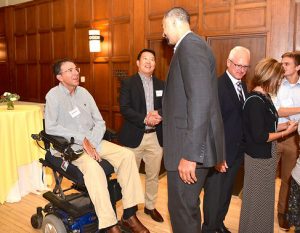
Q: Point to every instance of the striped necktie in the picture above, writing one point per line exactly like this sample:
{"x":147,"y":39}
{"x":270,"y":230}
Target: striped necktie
{"x":240,"y":91}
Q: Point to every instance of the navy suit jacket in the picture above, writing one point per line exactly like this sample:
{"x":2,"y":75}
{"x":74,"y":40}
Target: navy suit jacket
{"x":133,"y":109}
{"x":231,"y":109}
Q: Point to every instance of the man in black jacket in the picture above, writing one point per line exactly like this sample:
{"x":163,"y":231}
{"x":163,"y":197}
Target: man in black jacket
{"x":140,"y":105}
{"x":232,"y":93}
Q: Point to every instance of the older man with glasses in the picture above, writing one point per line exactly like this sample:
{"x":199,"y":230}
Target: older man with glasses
{"x":232,"y":93}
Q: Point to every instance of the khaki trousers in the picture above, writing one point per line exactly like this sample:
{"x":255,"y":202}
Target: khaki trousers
{"x":151,"y":153}
{"x":123,"y":161}
{"x":288,"y":151}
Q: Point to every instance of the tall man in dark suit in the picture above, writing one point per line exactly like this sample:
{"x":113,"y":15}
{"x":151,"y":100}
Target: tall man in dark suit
{"x":232,"y":93}
{"x":192,"y":122}
{"x":140,"y":100}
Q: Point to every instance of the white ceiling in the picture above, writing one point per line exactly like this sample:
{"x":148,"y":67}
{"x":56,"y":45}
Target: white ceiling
{"x":11,"y":2}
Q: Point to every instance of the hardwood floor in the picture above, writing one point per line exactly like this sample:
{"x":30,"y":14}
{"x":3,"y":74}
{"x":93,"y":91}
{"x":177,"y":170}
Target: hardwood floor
{"x":15,"y":217}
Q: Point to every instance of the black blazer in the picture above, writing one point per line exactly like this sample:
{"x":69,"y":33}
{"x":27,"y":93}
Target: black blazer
{"x":192,"y":121}
{"x":133,"y":109}
{"x":259,"y":119}
{"x":231,"y":109}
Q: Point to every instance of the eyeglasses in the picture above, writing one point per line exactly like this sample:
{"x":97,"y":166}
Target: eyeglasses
{"x":71,"y":70}
{"x":239,"y":67}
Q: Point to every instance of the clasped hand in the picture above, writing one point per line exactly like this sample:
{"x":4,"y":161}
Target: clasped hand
{"x":153,"y":118}
{"x":90,"y":150}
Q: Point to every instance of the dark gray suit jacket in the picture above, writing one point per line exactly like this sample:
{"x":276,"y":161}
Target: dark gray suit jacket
{"x":192,"y":121}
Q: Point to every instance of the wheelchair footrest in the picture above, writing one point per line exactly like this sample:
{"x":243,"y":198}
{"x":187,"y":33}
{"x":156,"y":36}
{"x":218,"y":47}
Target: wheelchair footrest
{"x":65,"y":205}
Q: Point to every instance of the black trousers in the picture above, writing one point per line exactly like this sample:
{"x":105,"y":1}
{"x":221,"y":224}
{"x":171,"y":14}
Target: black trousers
{"x":184,"y":202}
{"x":218,"y":190}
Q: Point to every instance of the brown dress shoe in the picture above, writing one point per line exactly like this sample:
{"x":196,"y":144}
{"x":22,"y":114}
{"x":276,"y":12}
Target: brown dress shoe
{"x":155,"y":215}
{"x":283,"y":223}
{"x":114,"y":229}
{"x":134,"y":224}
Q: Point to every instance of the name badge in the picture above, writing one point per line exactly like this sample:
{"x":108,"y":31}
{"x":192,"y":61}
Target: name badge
{"x":75,"y":112}
{"x":159,"y":93}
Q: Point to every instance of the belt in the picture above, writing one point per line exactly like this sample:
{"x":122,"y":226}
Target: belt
{"x":149,"y":130}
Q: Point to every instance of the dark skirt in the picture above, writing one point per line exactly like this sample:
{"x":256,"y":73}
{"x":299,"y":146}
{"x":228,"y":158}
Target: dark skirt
{"x":293,"y":215}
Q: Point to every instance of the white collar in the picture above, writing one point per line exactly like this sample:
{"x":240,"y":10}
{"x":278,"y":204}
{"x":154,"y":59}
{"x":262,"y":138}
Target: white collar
{"x":178,"y":42}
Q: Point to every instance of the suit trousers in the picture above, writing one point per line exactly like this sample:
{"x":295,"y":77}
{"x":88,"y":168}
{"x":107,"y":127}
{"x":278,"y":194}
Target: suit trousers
{"x":184,"y":202}
{"x":218,"y":190}
{"x":95,"y":180}
{"x":151,"y":153}
{"x":288,"y":151}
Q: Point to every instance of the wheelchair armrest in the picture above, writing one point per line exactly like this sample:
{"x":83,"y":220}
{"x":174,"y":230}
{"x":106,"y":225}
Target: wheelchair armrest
{"x":58,"y":142}
{"x":110,"y":134}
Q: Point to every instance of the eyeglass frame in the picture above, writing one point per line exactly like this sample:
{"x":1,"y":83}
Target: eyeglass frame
{"x":240,"y":67}
{"x":70,"y":70}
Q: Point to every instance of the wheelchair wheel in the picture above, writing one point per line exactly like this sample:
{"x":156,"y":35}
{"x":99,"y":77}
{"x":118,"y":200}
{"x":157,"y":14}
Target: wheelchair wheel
{"x":53,"y":224}
{"x":36,"y":221}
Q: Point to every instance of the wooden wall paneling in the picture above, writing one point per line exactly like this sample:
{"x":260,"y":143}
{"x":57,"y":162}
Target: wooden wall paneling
{"x":117,"y":121}
{"x":33,"y":83}
{"x":58,"y":14}
{"x":102,"y":84}
{"x":20,"y":20}
{"x":85,"y":71}
{"x":81,"y":43}
{"x":82,"y":11}
{"x":159,"y":7}
{"x":2,"y":21}
{"x":120,"y":70}
{"x":59,"y":43}
{"x":32,"y":47}
{"x":20,"y":48}
{"x":44,"y":9}
{"x":47,"y":80}
{"x":139,"y":25}
{"x":4,"y":78}
{"x":190,"y":5}
{"x":31,"y":19}
{"x":221,"y":46}
{"x":297,"y":28}
{"x":101,"y":9}
{"x":120,"y":40}
{"x":242,"y":14}
{"x":21,"y":81}
{"x":46,"y":46}
{"x":120,"y":8}
{"x":278,"y":42}
{"x":164,"y":54}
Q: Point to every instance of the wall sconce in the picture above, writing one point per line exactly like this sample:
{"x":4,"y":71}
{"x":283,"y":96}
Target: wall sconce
{"x":94,"y":40}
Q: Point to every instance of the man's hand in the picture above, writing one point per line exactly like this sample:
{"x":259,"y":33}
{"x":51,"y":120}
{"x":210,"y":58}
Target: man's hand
{"x":187,"y":171}
{"x":221,"y":167}
{"x":90,"y":150}
{"x":153,"y":118}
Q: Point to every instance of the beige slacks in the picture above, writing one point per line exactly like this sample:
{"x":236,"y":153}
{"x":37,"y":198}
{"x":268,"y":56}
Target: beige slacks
{"x":123,"y":160}
{"x":151,"y":153}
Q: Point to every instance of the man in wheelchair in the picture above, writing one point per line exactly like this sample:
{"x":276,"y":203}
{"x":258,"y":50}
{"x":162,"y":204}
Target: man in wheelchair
{"x":72,"y":112}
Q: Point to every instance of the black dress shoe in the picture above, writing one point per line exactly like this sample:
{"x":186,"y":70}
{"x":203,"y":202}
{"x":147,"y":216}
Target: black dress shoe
{"x":155,"y":215}
{"x":223,"y":229}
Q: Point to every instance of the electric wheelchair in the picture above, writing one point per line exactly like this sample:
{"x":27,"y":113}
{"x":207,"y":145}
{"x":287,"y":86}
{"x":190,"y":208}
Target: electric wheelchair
{"x":70,"y":212}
